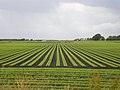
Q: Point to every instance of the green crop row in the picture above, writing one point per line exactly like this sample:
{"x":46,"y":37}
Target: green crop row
{"x":60,"y":54}
{"x":58,"y":78}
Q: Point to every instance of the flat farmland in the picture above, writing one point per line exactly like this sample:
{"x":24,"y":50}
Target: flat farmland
{"x":59,"y":79}
{"x":60,"y":54}
{"x":85,"y":65}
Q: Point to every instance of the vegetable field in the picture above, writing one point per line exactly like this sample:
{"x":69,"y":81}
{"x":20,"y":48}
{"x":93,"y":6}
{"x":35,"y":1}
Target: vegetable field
{"x":60,"y":54}
{"x":59,"y":79}
{"x":60,"y":65}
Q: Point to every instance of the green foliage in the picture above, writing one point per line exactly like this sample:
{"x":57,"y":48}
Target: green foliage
{"x":59,"y":79}
{"x":86,"y":54}
{"x":98,"y":37}
{"x":113,"y":37}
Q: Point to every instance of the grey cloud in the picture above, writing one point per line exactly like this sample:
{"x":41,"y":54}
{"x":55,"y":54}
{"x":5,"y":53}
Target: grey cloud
{"x":28,"y":5}
{"x":47,"y":5}
{"x":112,"y":4}
{"x":58,"y":19}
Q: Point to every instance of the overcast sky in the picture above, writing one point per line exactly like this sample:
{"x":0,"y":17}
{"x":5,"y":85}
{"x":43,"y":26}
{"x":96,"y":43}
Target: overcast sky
{"x":58,"y":19}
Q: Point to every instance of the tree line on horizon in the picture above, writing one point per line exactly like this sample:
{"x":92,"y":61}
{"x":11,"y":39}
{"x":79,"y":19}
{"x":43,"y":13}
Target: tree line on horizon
{"x":98,"y":37}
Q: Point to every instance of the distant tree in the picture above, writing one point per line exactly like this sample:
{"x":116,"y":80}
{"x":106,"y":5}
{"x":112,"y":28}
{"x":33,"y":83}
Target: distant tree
{"x":89,"y":39}
{"x":77,"y":39}
{"x":102,"y":38}
{"x":98,"y":37}
{"x":118,"y":36}
{"x":113,"y":37}
{"x":23,"y":39}
{"x":31,"y":39}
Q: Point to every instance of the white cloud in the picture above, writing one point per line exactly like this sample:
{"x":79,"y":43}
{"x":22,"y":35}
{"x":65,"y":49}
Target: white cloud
{"x":78,"y":19}
{"x":108,"y":28}
{"x":68,"y":20}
